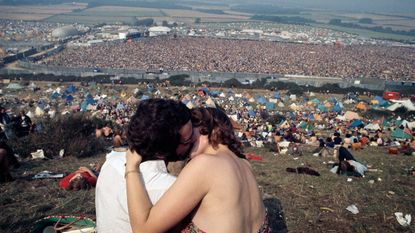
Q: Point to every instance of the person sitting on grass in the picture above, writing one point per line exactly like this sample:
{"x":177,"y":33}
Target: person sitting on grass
{"x":82,"y":179}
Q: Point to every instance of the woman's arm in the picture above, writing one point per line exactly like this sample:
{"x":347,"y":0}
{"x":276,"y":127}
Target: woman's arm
{"x":182,"y":197}
{"x":85,"y":169}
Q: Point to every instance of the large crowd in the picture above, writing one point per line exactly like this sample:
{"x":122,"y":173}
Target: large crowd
{"x":220,"y":55}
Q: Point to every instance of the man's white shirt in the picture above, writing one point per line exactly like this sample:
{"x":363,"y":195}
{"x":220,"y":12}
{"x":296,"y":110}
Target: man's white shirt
{"x":111,"y":194}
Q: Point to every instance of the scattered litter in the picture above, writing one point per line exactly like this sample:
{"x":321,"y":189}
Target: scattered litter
{"x":379,"y":179}
{"x":371,"y":181}
{"x":331,"y":162}
{"x":39,"y":154}
{"x":295,"y":158}
{"x":48,"y":175}
{"x":315,"y":154}
{"x":404,"y":221}
{"x":326,"y":209}
{"x":391,"y":192}
{"x":353,"y":209}
{"x":61,"y":153}
{"x":324,"y":162}
{"x":374,"y":170}
{"x":349,"y":179}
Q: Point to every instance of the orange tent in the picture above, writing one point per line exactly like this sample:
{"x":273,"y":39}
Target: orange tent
{"x":361,"y":106}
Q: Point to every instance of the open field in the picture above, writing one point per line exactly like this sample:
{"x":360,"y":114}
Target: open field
{"x":306,"y":203}
{"x":36,"y":12}
{"x":204,"y":16}
{"x":105,"y":14}
{"x":89,"y":20}
{"x":367,"y":33}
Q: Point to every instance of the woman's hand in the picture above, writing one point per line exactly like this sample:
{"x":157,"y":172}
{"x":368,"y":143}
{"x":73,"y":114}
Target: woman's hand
{"x":133,"y":160}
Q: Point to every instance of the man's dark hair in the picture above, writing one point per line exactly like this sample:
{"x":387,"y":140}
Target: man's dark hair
{"x":154,"y":128}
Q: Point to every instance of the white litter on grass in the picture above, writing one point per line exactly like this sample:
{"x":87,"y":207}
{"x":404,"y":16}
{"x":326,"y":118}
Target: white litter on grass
{"x":371,"y":181}
{"x":39,"y":154}
{"x":61,"y":153}
{"x":353,"y":209}
{"x":404,"y":221}
{"x":48,"y":175}
{"x":349,"y":179}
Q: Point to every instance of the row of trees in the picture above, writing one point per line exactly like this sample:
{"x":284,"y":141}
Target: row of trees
{"x":338,"y":22}
{"x":183,"y":80}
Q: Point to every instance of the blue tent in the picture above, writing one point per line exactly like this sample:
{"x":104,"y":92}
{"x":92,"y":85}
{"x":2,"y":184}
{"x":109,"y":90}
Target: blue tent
{"x":84,"y":106}
{"x":400,"y":133}
{"x":315,"y":101}
{"x":150,"y":88}
{"x":286,"y":98}
{"x":337,"y":108}
{"x":69,"y":99}
{"x":71,"y":89}
{"x":120,"y":106}
{"x":260,"y":99}
{"x":252,"y":113}
{"x":322,"y":108}
{"x":382,"y":102}
{"x":270,"y":106}
{"x":145,"y":97}
{"x":356,"y":123}
{"x":55,"y":95}
{"x":277,"y":95}
{"x":332,"y":100}
{"x":215,"y":93}
{"x":90,"y":100}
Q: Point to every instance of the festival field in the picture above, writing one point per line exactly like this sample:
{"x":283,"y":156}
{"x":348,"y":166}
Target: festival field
{"x":296,"y":202}
{"x":306,"y":203}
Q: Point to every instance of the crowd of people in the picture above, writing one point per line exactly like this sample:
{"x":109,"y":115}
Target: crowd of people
{"x":220,"y":55}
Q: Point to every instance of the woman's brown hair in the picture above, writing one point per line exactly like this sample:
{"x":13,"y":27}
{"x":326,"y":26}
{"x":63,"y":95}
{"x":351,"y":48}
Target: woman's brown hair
{"x":217,"y":125}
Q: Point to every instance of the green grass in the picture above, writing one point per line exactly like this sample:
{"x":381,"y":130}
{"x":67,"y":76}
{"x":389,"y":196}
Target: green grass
{"x":307,"y":203}
{"x":89,"y":20}
{"x":305,"y":198}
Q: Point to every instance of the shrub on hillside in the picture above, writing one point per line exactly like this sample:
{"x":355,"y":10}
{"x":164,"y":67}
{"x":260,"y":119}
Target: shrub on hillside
{"x":74,"y":133}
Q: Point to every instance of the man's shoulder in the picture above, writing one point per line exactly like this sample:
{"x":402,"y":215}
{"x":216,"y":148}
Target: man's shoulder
{"x":116,"y":160}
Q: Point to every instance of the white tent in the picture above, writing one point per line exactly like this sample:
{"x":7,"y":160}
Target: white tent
{"x":190,"y":105}
{"x":210,"y":103}
{"x":349,"y":101}
{"x":349,"y":115}
{"x":402,"y":103}
{"x":273,"y":101}
{"x":293,"y":97}
{"x":39,"y":112}
{"x":14,"y":86}
{"x":372,"y":127}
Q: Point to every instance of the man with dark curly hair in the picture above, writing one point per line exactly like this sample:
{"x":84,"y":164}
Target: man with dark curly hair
{"x":161,"y":131}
